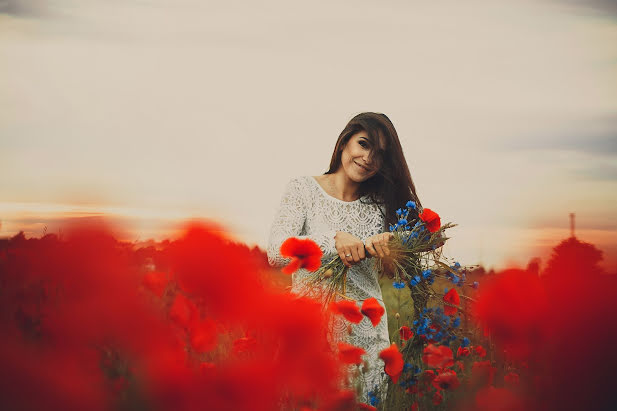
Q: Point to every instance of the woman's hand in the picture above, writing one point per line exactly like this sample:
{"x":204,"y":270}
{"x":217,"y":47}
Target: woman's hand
{"x":377,"y":245}
{"x":349,"y":247}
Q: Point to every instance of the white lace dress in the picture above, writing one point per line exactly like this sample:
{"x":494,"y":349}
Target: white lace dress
{"x":307,"y":211}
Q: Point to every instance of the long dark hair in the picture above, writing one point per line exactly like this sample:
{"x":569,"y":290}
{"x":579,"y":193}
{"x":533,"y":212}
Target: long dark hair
{"x":392,"y":186}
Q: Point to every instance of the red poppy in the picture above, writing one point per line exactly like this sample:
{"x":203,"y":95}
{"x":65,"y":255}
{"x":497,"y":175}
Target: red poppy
{"x":393,"y":360}
{"x":405,"y":333}
{"x":304,"y":253}
{"x":414,"y":406}
{"x":347,"y":309}
{"x":438,"y":356}
{"x":203,"y":336}
{"x":350,"y":354}
{"x":363,"y":406}
{"x":480,"y":351}
{"x":431,"y":220}
{"x":373,"y":310}
{"x":446,"y":380}
{"x":156,"y":282}
{"x":453,"y":298}
{"x":437,"y":398}
{"x":462,"y":352}
{"x":491,"y":398}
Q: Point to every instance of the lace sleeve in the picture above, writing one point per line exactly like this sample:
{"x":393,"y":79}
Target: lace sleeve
{"x":289,"y":222}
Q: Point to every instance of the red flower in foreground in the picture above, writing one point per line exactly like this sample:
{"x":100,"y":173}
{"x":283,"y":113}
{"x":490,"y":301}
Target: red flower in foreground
{"x":453,"y":298}
{"x":155,"y":282}
{"x":350,"y":354}
{"x":446,"y":380}
{"x":431,"y":220}
{"x":373,"y":310}
{"x":480,"y":351}
{"x":347,"y":309}
{"x":393,"y":360}
{"x":462,"y":352}
{"x":363,"y":406}
{"x":405,"y":333}
{"x":304,"y":253}
{"x":438,"y":356}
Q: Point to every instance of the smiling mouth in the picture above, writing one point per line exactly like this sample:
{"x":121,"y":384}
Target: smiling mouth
{"x":368,"y":170}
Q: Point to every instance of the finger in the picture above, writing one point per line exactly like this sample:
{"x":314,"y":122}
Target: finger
{"x":369,"y":247}
{"x":355,"y":255}
{"x":341,"y":254}
{"x":386,"y":242}
{"x":379,"y":249}
{"x":361,"y":253}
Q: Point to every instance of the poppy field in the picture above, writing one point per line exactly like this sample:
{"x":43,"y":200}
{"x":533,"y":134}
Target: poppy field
{"x":202,"y":322}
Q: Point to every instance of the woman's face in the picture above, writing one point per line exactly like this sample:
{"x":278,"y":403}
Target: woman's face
{"x":357,"y":159}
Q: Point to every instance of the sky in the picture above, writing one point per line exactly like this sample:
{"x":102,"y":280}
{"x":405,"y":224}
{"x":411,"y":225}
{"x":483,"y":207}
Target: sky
{"x":151,"y":112}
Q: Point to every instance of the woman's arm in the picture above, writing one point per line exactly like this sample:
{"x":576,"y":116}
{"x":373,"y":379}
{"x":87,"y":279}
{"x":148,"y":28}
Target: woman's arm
{"x":288,"y":222}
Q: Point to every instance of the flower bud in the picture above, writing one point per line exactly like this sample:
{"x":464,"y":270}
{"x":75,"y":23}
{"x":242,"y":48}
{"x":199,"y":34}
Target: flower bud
{"x":328,"y":273}
{"x":349,"y":329}
{"x":397,"y":316}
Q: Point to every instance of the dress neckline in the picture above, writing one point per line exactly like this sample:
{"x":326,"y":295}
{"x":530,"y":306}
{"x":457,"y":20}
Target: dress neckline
{"x":325,"y":193}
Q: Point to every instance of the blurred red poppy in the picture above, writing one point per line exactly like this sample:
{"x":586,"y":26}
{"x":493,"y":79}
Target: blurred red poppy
{"x":479,"y":351}
{"x":446,"y":380}
{"x":437,"y":398}
{"x":462,"y":352}
{"x":453,"y":298}
{"x":393,"y":360}
{"x":438,"y":356}
{"x":347,"y":309}
{"x":304,"y":253}
{"x":373,"y":310}
{"x":203,"y":335}
{"x":405,"y":333}
{"x":350,"y":354}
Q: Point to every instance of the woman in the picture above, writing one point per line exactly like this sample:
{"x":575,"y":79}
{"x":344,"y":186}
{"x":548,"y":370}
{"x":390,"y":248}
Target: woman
{"x":346,"y":211}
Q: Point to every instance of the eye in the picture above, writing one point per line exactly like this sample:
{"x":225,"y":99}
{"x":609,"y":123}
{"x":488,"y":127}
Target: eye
{"x":363,"y":144}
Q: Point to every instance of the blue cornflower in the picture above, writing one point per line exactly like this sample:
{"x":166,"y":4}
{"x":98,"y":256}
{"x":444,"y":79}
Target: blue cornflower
{"x":415,"y":322}
{"x":465,"y":342}
{"x":438,"y":336}
{"x":399,"y":212}
{"x":411,"y":204}
{"x":426,"y":273}
{"x":456,"y":322}
{"x":431,"y":280}
{"x":392,"y":227}
{"x":417,"y":278}
{"x":475,"y":284}
{"x":445,"y":290}
{"x":372,"y":398}
{"x":407,"y":366}
{"x":413,"y":282}
{"x":418,"y":223}
{"x":398,"y":285}
{"x":414,"y":234}
{"x":402,"y":222}
{"x":455,"y":280}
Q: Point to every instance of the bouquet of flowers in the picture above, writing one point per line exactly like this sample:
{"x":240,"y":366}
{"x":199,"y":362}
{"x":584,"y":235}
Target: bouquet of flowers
{"x":413,"y":249}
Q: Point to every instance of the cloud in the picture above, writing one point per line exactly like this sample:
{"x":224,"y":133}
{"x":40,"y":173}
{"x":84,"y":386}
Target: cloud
{"x":585,"y":136}
{"x":24,"y":8}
